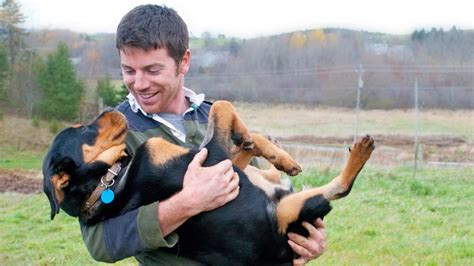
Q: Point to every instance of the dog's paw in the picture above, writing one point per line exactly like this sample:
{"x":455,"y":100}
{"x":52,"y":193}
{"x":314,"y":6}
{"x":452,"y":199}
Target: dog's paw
{"x":363,"y":147}
{"x":288,"y":165}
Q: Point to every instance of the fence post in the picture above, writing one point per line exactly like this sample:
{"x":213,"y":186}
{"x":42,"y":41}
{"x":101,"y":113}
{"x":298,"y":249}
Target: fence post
{"x":417,"y":119}
{"x":360,"y":85}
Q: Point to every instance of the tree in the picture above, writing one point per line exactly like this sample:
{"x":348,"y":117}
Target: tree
{"x":61,"y":89}
{"x":10,"y":31}
{"x":4,"y":68}
{"x":109,"y":93}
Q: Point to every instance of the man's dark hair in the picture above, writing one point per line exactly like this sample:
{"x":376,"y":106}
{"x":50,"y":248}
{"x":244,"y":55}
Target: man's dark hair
{"x":153,"y":27}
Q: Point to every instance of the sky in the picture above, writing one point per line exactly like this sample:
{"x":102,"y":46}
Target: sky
{"x":254,"y":18}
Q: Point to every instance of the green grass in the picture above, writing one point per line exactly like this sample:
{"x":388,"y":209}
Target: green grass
{"x":14,"y":159}
{"x":389,"y":218}
{"x":28,"y":237}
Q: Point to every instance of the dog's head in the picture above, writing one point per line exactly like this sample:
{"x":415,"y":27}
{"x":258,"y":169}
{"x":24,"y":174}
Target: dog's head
{"x":77,"y":159}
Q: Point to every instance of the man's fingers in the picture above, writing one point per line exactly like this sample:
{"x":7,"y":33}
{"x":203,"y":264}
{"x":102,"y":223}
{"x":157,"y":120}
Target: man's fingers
{"x":299,"y":262}
{"x":299,"y":249}
{"x":224,"y":166}
{"x":199,"y":158}
{"x":229,"y":175}
{"x":234,"y":182}
{"x":300,"y":240}
{"x":318,"y":223}
{"x":232,"y":195}
{"x":311,"y":229}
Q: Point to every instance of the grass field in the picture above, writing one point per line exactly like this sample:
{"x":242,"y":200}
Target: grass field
{"x":285,"y":120}
{"x":388,"y":219}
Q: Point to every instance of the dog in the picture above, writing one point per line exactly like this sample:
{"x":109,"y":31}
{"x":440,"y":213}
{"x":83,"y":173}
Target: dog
{"x":84,"y":160}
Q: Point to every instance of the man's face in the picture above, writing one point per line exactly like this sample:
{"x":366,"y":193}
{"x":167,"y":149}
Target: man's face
{"x":153,"y":78}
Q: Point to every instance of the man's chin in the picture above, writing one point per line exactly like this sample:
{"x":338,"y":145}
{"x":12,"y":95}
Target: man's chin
{"x":150,"y":109}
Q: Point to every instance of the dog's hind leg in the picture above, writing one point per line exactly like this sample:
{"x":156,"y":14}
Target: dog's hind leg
{"x":268,"y":149}
{"x":290,"y":207}
{"x":227,"y":127}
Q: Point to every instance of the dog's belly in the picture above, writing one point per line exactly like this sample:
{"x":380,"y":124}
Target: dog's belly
{"x":248,"y":225}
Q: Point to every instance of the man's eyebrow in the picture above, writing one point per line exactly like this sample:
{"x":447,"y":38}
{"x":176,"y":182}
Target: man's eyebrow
{"x":145,"y":67}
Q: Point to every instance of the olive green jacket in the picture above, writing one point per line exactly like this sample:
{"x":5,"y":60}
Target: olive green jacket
{"x":137,"y":233}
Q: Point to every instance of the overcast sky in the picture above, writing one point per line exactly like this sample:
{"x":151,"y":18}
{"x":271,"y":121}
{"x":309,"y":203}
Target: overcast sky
{"x":252,"y":18}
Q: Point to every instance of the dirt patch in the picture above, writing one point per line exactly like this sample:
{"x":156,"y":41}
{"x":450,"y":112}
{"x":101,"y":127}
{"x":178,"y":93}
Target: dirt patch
{"x":391,"y":149}
{"x":393,"y":141}
{"x":21,"y":181}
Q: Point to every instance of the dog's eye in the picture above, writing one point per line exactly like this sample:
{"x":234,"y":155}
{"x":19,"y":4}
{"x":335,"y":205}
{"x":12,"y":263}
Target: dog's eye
{"x":66,"y":165}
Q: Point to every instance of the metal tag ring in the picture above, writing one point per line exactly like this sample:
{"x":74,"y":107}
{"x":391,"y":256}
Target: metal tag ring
{"x":112,"y":182}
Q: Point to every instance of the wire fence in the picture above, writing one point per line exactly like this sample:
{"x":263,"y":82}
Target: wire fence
{"x":362,"y":87}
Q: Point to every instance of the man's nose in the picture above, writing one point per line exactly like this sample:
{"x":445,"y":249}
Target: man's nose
{"x":141,"y":81}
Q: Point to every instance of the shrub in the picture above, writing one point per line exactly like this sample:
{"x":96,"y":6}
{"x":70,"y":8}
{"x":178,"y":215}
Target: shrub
{"x":54,"y":126}
{"x":35,"y":122}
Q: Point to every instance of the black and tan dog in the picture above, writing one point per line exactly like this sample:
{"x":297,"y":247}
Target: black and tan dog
{"x":248,"y":230}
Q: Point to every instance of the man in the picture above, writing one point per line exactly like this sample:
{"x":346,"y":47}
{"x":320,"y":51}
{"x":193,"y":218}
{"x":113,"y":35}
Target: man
{"x":153,"y":46}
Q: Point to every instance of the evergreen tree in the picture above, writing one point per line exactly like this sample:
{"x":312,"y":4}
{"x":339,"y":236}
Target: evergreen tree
{"x":122,"y":92}
{"x":106,"y":91}
{"x":61,"y":89}
{"x":10,"y":31}
{"x":4,"y":68}
{"x":109,"y":93}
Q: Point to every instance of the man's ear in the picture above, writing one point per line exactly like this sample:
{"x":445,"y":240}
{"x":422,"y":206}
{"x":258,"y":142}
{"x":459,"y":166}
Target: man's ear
{"x":185,"y":63}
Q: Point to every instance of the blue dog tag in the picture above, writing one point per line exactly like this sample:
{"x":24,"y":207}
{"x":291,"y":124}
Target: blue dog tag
{"x":107,"y":196}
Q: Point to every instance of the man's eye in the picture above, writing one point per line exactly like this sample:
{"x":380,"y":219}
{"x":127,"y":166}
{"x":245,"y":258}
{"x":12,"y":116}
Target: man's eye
{"x":154,"y":71}
{"x":128,"y":71}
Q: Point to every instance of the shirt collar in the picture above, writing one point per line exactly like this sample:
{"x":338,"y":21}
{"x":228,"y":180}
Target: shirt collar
{"x":195,"y":100}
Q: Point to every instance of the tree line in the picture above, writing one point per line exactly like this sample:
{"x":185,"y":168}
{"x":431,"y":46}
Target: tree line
{"x":42,"y":70}
{"x":43,"y":84}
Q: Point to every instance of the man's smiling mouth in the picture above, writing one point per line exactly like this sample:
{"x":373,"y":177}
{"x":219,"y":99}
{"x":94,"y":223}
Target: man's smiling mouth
{"x":147,"y":95}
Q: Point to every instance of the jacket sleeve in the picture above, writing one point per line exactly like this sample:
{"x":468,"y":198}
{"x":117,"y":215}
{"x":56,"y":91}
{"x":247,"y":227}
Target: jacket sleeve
{"x":126,"y":235}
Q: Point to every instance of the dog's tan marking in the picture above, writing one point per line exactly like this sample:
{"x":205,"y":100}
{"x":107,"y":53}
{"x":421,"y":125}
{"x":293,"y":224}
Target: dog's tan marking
{"x":289,"y":207}
{"x":76,"y":126}
{"x":267,"y":149}
{"x":162,"y":151}
{"x":267,"y":180}
{"x":60,"y":181}
{"x":112,"y":132}
{"x":271,"y":174}
{"x":112,"y":154}
{"x":224,"y":121}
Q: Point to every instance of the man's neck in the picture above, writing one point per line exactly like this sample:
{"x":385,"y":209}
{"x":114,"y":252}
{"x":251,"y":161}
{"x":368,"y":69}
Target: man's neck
{"x":179,"y":105}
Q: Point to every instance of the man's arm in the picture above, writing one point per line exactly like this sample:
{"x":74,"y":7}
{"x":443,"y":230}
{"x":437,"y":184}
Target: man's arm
{"x":150,"y":227}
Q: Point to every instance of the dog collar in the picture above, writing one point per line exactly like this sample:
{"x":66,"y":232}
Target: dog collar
{"x":105,"y":181}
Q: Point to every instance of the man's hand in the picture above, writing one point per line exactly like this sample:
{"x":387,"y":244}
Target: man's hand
{"x":208,"y":188}
{"x":204,"y":189}
{"x":311,"y":247}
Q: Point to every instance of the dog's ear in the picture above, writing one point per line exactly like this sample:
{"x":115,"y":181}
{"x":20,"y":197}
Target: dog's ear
{"x":49,"y":191}
{"x":55,"y":180}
